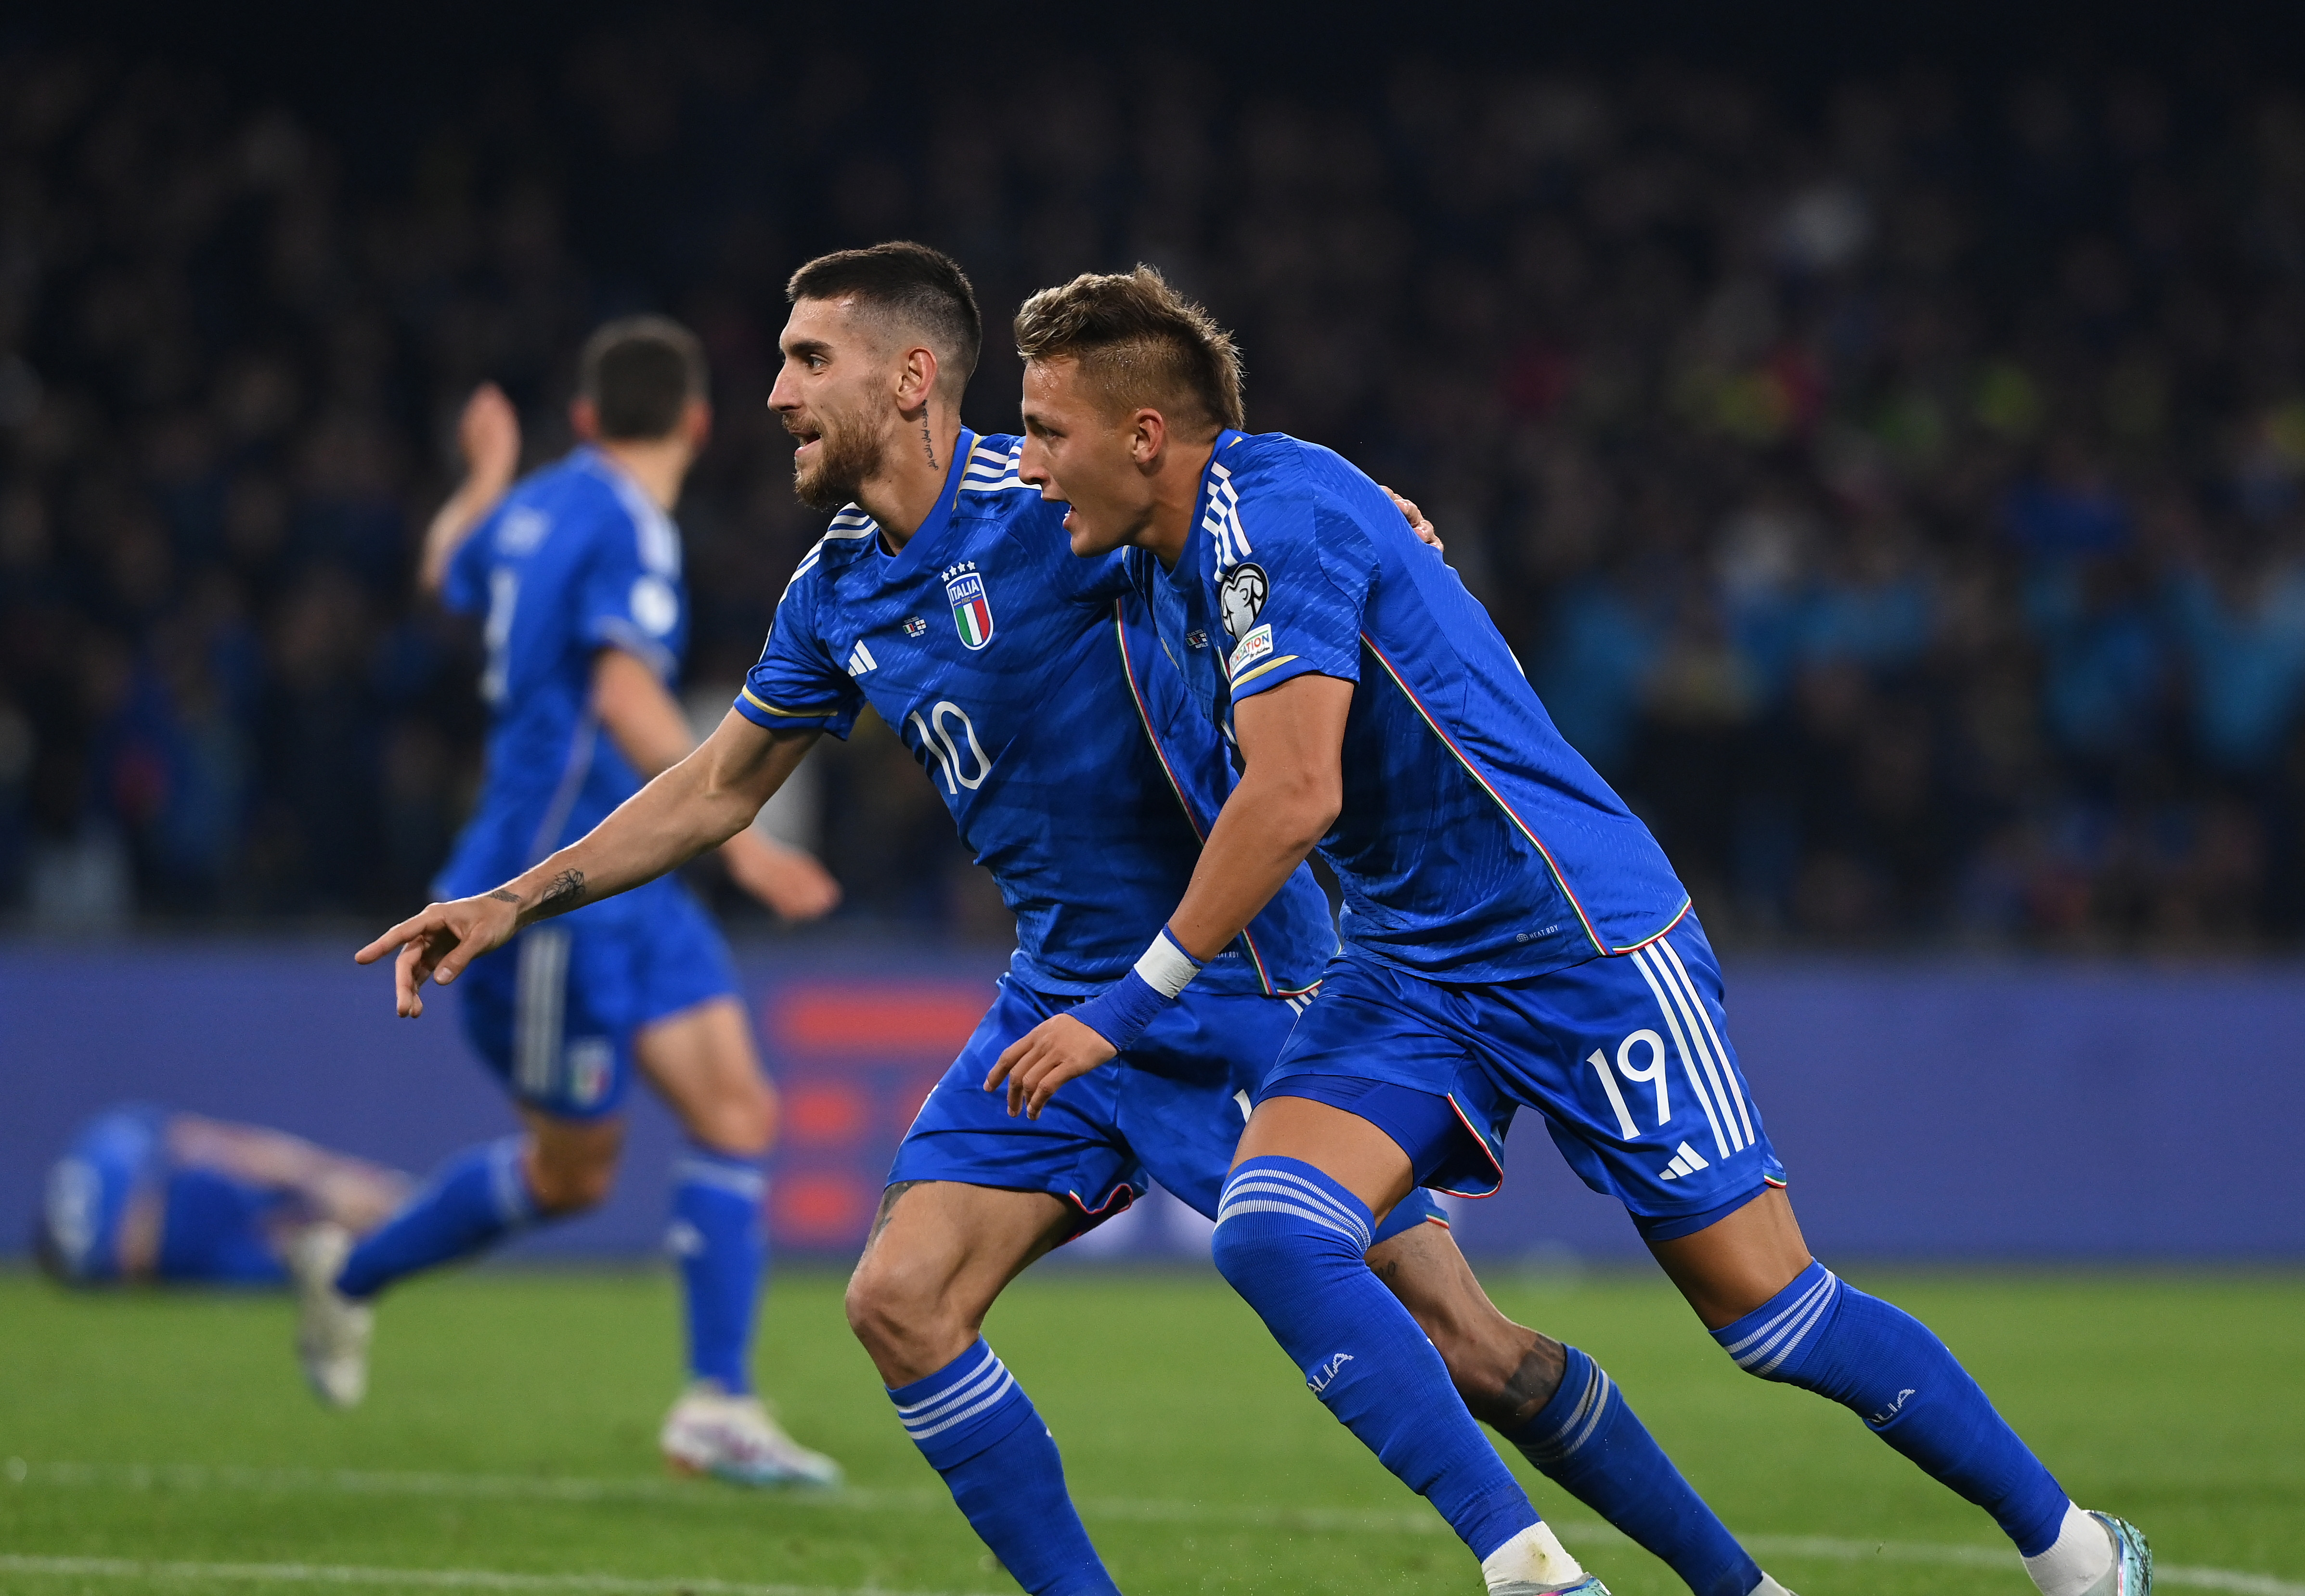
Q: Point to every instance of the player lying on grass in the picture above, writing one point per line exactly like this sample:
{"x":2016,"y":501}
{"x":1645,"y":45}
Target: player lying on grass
{"x":577,"y":570}
{"x":1030,"y":687}
{"x":1513,"y":938}
{"x":146,"y":1194}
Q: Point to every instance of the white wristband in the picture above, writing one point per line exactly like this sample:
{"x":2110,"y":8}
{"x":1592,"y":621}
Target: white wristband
{"x":1166,"y":967}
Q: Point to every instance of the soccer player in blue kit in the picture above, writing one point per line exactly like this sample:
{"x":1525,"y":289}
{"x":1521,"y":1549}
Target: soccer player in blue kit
{"x":1029,"y":685}
{"x":1513,"y":938}
{"x":577,"y":570}
{"x":147,"y":1194}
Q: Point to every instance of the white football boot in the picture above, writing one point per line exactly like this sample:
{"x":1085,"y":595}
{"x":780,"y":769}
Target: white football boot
{"x":735,"y":1438}
{"x":2132,"y":1573}
{"x":332,"y":1330}
{"x":1534,"y":1563}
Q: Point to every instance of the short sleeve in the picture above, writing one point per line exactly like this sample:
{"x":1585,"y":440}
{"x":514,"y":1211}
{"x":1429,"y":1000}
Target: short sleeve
{"x":629,"y":597}
{"x":465,"y":591}
{"x":1291,"y":604}
{"x":796,"y":685}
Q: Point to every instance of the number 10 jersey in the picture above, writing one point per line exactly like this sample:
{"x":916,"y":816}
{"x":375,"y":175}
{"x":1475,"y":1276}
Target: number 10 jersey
{"x":1032,"y":687}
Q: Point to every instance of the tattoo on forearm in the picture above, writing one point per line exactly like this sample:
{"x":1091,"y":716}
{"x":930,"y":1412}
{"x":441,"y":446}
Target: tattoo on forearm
{"x":566,"y":891}
{"x":928,"y":443}
{"x":504,"y":896}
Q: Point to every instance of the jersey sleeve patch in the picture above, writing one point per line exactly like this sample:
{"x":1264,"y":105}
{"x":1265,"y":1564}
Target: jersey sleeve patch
{"x":1256,"y":646}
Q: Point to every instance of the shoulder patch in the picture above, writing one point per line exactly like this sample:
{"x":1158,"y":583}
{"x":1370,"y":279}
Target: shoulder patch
{"x":522,"y":530}
{"x":1241,"y":596}
{"x":1257,"y":645}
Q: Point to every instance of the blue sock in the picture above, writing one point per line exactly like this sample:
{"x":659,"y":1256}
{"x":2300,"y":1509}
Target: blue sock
{"x":724,"y":1252}
{"x":213,"y":1231}
{"x":477,"y":1198}
{"x":1826,"y":1335}
{"x":1588,"y":1442}
{"x":1292,"y":1242}
{"x":976,"y":1427}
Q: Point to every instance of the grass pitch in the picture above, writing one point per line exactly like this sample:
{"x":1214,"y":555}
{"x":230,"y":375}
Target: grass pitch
{"x":507,"y":1444}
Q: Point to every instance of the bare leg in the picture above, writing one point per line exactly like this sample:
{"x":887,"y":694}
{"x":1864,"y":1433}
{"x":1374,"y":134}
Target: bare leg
{"x":330,"y":1186}
{"x":939,"y":1254}
{"x":1506,"y":1372}
{"x":571,"y":1164}
{"x":1735,"y":1265}
{"x":702,"y":1061}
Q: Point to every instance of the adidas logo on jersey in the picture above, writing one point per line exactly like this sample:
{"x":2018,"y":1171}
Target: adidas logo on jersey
{"x":860,"y":659}
{"x":1685,"y":1160}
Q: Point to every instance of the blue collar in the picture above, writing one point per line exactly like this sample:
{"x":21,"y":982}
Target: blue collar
{"x":909,"y":559}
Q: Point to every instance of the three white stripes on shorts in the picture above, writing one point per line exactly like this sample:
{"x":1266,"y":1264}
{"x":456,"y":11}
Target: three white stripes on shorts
{"x":1698,"y":1045}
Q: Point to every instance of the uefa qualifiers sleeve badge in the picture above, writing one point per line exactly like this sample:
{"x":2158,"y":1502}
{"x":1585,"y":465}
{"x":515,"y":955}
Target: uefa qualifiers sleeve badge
{"x":972,"y":610}
{"x":1242,"y":597}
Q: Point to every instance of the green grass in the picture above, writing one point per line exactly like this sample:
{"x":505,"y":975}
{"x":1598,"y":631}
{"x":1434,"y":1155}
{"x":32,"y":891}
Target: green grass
{"x":1202,"y":1463}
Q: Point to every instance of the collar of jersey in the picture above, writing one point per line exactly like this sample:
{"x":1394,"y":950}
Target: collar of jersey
{"x":915,"y":551}
{"x":1189,"y":562}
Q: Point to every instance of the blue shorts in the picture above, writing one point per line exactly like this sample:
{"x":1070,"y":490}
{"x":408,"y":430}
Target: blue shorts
{"x":1626,"y":1058}
{"x":1170,"y":1109}
{"x":112,"y":1159}
{"x":553,"y":1011}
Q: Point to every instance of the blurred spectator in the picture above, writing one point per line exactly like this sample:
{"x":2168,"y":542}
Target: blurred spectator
{"x":1901,"y":502}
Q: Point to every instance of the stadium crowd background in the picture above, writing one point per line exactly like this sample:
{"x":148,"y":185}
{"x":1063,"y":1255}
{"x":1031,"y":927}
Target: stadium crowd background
{"x":1894,"y":489}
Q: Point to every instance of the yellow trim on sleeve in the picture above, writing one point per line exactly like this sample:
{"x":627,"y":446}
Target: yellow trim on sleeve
{"x":1251,"y":675}
{"x":769,"y":709}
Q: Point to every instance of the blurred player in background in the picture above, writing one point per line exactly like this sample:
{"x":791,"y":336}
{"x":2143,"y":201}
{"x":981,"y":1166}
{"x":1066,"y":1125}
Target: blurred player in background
{"x":577,"y":570}
{"x":145,"y":1194}
{"x":1031,"y":689}
{"x":1379,"y":714}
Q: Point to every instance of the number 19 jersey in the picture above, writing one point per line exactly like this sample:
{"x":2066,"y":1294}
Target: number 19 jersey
{"x":1033,"y":688}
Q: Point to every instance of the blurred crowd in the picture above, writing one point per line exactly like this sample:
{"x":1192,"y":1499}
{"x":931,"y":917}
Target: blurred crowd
{"x":1893,"y":487}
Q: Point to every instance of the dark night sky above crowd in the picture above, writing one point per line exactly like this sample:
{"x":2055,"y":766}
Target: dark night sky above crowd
{"x":1890,"y":477}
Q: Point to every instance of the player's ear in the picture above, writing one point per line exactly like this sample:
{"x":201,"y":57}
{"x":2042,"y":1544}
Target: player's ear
{"x":1148,"y":433}
{"x":696,"y":423}
{"x":584,"y":419}
{"x":917,"y":380}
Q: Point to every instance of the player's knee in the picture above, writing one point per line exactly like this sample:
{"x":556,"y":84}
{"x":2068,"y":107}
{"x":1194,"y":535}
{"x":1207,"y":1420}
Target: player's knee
{"x":894,"y":1311}
{"x":742,"y":1117}
{"x":569,"y":1183}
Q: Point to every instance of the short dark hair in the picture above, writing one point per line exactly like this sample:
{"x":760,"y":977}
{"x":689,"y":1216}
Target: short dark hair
{"x":638,"y":373}
{"x":922,"y":288}
{"x":1141,"y":341}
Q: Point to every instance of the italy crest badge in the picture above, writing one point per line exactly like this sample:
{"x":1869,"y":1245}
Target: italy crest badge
{"x":972,"y":610}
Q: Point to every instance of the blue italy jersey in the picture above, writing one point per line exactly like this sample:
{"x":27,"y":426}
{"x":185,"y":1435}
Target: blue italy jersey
{"x":1473,"y":844}
{"x":1032,"y":690}
{"x":576,"y":558}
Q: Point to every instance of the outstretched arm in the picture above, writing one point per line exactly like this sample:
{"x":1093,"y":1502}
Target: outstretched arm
{"x":699,"y":803}
{"x":487,"y":434}
{"x":1292,"y":740}
{"x":646,"y":724}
